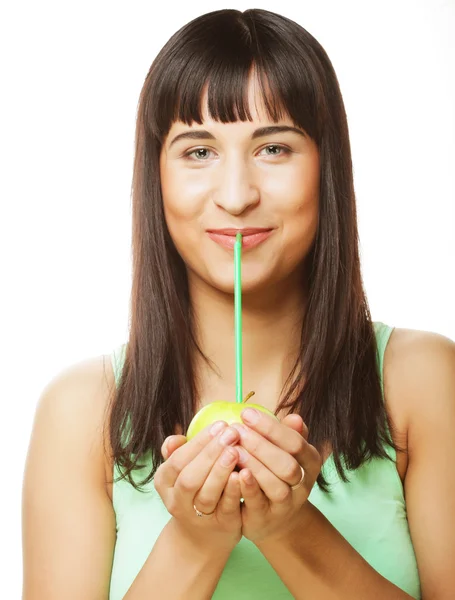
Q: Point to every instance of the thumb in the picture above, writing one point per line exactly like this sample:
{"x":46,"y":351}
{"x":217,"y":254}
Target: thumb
{"x":293,"y":421}
{"x":171,"y":444}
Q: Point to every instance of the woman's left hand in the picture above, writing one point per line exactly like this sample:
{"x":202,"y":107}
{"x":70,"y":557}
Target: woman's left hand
{"x":274,"y":449}
{"x":275,"y":453}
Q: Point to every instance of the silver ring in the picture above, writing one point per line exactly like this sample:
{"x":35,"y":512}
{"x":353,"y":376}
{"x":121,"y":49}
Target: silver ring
{"x":201,"y":514}
{"x":297,"y":485}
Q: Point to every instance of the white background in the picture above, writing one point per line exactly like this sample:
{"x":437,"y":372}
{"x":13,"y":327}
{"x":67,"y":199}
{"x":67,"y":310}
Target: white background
{"x":71,"y":78}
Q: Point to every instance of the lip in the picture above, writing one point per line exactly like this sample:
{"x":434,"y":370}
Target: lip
{"x":245,"y":231}
{"x":250,"y":240}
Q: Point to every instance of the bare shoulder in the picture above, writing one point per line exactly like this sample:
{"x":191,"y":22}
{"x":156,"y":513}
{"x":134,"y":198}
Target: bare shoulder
{"x":79,"y":396}
{"x":420,"y":342}
{"x":68,"y":521}
{"x":419,"y":369}
{"x":78,"y":399}
{"x":421,"y":382}
{"x":417,"y":362}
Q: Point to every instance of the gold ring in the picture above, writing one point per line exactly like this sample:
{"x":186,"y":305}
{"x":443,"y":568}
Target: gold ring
{"x":297,"y":485}
{"x":201,"y":514}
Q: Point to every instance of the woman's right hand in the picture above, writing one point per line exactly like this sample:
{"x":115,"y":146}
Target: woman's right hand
{"x":196,"y":475}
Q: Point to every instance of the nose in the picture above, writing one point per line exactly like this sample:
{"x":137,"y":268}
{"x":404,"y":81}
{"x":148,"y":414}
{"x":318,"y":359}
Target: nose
{"x":234,"y":189}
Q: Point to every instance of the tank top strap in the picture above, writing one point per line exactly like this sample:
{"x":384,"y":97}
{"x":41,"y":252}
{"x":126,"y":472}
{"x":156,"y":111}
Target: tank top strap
{"x":118,"y":360}
{"x":383,"y":333}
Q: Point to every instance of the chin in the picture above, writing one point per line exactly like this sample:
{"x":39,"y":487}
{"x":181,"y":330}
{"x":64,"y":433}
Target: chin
{"x":253,"y":279}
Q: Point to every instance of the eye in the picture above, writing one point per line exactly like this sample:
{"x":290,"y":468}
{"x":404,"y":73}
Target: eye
{"x":198,"y":158}
{"x":284,"y":150}
{"x":191,"y":152}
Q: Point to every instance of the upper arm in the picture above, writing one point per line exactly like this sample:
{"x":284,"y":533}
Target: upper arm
{"x":68,"y":523}
{"x":424,"y":376}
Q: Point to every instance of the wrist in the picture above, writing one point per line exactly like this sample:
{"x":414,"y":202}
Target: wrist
{"x":298,"y":529}
{"x":199,"y":543}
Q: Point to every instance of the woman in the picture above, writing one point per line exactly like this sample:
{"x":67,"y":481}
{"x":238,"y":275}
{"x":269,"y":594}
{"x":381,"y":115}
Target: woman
{"x":349,"y":494}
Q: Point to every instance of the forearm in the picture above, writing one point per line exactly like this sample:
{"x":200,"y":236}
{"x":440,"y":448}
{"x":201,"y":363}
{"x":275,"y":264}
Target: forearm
{"x":317,"y":562}
{"x":178,"y":569}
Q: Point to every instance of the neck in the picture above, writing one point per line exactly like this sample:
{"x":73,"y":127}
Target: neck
{"x":271,"y":330}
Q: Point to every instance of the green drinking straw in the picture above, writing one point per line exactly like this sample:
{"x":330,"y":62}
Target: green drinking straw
{"x":238,"y":315}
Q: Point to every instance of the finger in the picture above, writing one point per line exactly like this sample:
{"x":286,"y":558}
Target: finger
{"x":281,"y":463}
{"x":171,"y":443}
{"x":285,"y":465}
{"x":252,"y":494}
{"x":295,"y":421}
{"x":314,"y":466}
{"x":229,"y":503}
{"x":168,"y":472}
{"x":192,"y":478}
{"x":274,"y":488}
{"x":282,"y":436}
{"x":210,"y":493}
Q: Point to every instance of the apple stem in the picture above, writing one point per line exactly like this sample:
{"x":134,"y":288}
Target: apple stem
{"x":248,"y":396}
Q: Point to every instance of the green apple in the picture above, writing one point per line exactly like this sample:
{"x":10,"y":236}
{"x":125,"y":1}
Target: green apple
{"x":221,"y":410}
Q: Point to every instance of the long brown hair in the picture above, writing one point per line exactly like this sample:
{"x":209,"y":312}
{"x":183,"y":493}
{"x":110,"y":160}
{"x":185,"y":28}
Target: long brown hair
{"x":341,"y":398}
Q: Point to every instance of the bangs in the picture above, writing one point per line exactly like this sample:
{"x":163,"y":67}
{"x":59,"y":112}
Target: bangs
{"x":220,"y":65}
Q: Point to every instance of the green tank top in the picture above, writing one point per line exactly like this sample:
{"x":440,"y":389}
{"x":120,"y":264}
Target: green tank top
{"x":369,"y":511}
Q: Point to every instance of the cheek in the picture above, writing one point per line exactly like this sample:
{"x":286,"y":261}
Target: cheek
{"x":300,"y":213}
{"x":300,"y":216}
{"x":180,"y":223}
{"x":182,"y":191}
{"x":300,"y":232}
{"x":182,"y":220}
{"x":182,"y":211}
{"x":297,"y":188}
{"x":303,"y":213}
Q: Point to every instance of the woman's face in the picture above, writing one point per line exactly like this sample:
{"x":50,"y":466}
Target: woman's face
{"x":227,"y":179}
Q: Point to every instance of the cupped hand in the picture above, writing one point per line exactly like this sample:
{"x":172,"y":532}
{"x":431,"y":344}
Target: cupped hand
{"x":195,"y":474}
{"x":274,"y":456}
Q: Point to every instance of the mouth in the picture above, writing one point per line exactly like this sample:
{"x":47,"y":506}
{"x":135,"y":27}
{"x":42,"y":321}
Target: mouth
{"x":250,"y":238}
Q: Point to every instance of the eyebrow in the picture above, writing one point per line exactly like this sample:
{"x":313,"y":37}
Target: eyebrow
{"x":202,"y":134}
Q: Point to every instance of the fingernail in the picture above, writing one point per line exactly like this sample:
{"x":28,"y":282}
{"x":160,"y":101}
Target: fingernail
{"x":243,"y":455}
{"x":165,"y":452}
{"x":248,"y":478}
{"x":241,"y":429}
{"x":251,"y":415}
{"x":217,"y":427}
{"x":227,"y":458}
{"x":228,"y":436}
